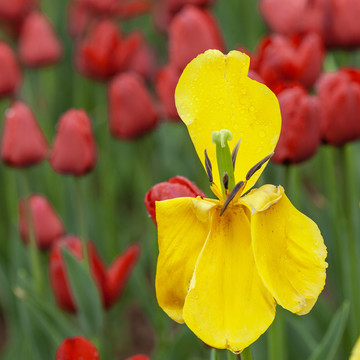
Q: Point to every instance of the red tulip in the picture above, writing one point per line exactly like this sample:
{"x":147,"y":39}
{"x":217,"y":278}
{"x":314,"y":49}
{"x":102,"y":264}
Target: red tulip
{"x":78,"y":18}
{"x":47,"y":225}
{"x":120,"y":8}
{"x":343,"y":29}
{"x":177,"y":186}
{"x":23,"y":144}
{"x":138,"y":357}
{"x":137,"y":55}
{"x":77,"y":348}
{"x":96,"y":54}
{"x":165,"y":10}
{"x":282,"y":59}
{"x":10,"y":73}
{"x":74,"y":149}
{"x":300,"y":135}
{"x":289,"y":17}
{"x":110,"y":282}
{"x":15,"y":10}
{"x":339,"y":94}
{"x":38,"y":42}
{"x":131,"y":109}
{"x":192,"y":31}
{"x":166,"y":81}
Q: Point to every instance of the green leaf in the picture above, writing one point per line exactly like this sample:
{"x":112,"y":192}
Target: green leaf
{"x":331,"y":340}
{"x":87,"y":298}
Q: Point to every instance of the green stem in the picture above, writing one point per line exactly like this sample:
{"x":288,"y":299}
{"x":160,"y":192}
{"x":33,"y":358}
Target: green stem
{"x":277,"y":337}
{"x":81,"y":218}
{"x":246,"y":354}
{"x":349,"y":198}
{"x":35,"y":261}
{"x":214,"y":354}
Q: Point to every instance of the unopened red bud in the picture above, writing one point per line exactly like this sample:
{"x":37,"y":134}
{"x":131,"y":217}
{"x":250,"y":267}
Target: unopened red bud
{"x":23,"y":143}
{"x":10,"y":73}
{"x":282,"y":59}
{"x":74,"y":149}
{"x":289,"y":17}
{"x":300,"y":135}
{"x":192,"y":31}
{"x":77,"y":348}
{"x":46,"y":224}
{"x":164,"y":10}
{"x":165,"y":83}
{"x":177,"y":186}
{"x":78,"y":18}
{"x":96,"y":54}
{"x":131,"y":109}
{"x":342,"y":24}
{"x":15,"y":10}
{"x":339,"y":94}
{"x":38,"y":43}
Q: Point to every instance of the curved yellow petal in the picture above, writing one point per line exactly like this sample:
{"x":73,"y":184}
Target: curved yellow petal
{"x":290,"y":255}
{"x":355,"y":354}
{"x":260,"y":199}
{"x":228,"y":305}
{"x":214,"y":93}
{"x":183,"y":225}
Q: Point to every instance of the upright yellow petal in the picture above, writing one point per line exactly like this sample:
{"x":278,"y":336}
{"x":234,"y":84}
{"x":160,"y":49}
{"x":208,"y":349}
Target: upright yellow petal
{"x":260,"y":199}
{"x":228,"y":305}
{"x":214,"y":93}
{"x":183,"y":225}
{"x":290,"y":255}
{"x":355,"y":354}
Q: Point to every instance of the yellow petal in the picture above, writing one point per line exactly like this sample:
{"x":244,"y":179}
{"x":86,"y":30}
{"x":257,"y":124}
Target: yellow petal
{"x":260,"y":199}
{"x":355,"y":354}
{"x":215,"y":93}
{"x":183,"y":225}
{"x":290,"y":255}
{"x":228,"y":305}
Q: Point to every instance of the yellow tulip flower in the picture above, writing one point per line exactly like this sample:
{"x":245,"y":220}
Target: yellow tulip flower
{"x":355,"y":354}
{"x":224,"y":264}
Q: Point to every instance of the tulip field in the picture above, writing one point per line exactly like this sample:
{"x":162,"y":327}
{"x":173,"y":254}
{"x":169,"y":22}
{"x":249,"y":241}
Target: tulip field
{"x":179,"y":180}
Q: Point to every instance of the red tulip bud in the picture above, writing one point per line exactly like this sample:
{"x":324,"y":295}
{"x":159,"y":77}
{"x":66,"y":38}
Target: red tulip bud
{"x":339,"y":94}
{"x":47,"y":225}
{"x":77,"y":348}
{"x":289,"y":17}
{"x":38,"y":42}
{"x":10,"y":73}
{"x":343,"y":29}
{"x":110,"y":282}
{"x":131,"y":109}
{"x":78,"y":18}
{"x":166,"y":81}
{"x":96,"y":54}
{"x":283,"y":59}
{"x":165,"y":10}
{"x":15,"y":10}
{"x":300,"y":135}
{"x":23,"y":144}
{"x":74,"y":150}
{"x":192,"y":32}
{"x":177,"y":186}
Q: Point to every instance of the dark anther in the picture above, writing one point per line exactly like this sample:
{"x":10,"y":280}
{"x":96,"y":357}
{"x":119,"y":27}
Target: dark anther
{"x":225,"y":180}
{"x":208,"y":167}
{"x":234,"y":191}
{"x":234,"y":153}
{"x":256,"y":167}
